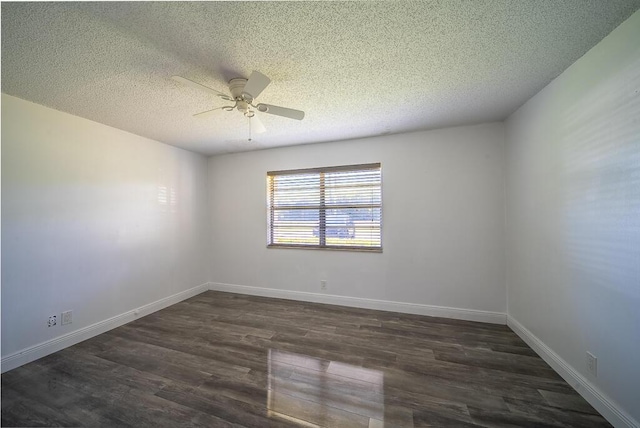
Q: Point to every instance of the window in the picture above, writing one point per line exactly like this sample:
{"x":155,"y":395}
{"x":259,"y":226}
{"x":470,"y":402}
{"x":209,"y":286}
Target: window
{"x":334,"y":208}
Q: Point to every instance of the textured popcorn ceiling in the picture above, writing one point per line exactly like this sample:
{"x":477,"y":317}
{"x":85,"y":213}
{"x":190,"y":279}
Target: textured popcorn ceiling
{"x":356,"y":68}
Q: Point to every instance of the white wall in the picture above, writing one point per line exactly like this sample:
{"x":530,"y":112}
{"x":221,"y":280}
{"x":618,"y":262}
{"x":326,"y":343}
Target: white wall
{"x":94,"y":219}
{"x":573,"y":214}
{"x":443,"y":221}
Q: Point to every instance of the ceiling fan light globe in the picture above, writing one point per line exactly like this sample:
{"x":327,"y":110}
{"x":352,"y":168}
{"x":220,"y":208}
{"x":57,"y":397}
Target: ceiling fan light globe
{"x":243,"y":106}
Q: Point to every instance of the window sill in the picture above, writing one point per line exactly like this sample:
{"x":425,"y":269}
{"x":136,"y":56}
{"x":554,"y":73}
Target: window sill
{"x":331,"y":248}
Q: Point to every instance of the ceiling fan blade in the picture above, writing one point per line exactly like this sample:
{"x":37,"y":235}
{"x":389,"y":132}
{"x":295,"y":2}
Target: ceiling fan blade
{"x":256,"y":125}
{"x":281,"y":111}
{"x":207,"y":113}
{"x":255,"y":85}
{"x":197,"y":85}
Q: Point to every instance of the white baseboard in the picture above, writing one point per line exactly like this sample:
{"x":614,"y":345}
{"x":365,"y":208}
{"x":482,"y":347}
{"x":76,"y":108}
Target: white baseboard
{"x":43,"y":349}
{"x":357,"y":302}
{"x":603,"y":404}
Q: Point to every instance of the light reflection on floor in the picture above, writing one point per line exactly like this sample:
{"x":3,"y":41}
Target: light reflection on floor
{"x":317,"y":393}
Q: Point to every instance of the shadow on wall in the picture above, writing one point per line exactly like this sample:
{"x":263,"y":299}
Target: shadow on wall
{"x":601,"y":185}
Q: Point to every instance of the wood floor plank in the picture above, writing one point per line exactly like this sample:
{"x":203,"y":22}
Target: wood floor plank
{"x":231,"y":411}
{"x":433,"y":418}
{"x":229,"y":360}
{"x":567,"y":417}
{"x":570,"y":400}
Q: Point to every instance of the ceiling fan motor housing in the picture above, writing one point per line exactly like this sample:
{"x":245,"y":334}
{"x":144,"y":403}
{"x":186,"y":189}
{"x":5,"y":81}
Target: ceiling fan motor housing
{"x":236,"y":86}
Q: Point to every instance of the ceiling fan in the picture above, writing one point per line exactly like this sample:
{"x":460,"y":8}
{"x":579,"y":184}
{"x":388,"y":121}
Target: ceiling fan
{"x":243,"y":93}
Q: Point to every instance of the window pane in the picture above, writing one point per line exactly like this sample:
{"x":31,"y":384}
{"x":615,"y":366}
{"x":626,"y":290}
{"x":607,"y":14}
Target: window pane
{"x":359,"y":227}
{"x":353,"y":188}
{"x":296,"y":226}
{"x":296,"y":190}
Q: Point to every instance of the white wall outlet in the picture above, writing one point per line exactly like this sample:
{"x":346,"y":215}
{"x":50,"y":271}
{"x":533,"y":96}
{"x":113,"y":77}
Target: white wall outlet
{"x":323,"y":284}
{"x":67,"y":318}
{"x":53,"y":320}
{"x":592,"y":364}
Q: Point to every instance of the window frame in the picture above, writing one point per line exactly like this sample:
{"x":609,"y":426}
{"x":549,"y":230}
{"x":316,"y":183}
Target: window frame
{"x":322,"y":208}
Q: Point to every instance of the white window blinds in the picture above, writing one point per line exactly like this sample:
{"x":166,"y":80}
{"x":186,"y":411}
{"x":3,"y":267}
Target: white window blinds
{"x":334,"y":207}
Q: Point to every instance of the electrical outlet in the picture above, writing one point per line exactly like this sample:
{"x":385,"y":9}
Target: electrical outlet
{"x":592,"y":364}
{"x":323,"y":284}
{"x":67,"y":318}
{"x":53,"y":320}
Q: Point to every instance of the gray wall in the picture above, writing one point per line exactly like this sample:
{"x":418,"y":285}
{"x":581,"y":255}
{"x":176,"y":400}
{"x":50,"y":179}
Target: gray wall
{"x":94,"y":220}
{"x":443,"y":221}
{"x":573,"y":215}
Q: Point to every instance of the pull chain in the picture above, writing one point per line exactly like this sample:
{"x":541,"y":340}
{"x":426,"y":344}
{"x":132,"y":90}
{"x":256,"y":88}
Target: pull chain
{"x":249,"y":129}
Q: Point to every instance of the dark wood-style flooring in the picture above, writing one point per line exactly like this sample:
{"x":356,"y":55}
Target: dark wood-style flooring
{"x":223,"y":360}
